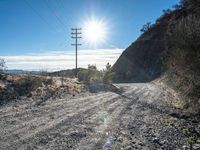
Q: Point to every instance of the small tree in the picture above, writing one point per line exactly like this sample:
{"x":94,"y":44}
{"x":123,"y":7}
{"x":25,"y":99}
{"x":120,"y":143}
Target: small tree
{"x":108,"y":74}
{"x":146,"y":27}
{"x":92,"y":69}
{"x":2,"y":65}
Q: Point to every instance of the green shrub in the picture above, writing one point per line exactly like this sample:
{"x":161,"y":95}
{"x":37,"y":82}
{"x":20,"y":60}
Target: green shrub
{"x":83,"y":75}
{"x":108,"y":74}
{"x":92,"y":74}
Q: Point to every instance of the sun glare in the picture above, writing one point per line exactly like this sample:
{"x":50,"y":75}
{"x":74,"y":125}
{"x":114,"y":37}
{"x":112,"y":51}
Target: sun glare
{"x":94,"y":31}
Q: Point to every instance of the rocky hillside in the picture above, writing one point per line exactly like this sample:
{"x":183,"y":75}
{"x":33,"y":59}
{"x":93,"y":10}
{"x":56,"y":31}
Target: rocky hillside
{"x":142,"y":60}
{"x":170,"y":48}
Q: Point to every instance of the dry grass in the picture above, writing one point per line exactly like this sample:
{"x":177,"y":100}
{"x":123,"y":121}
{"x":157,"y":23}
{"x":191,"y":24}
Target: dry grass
{"x":176,"y":97}
{"x":15,"y":86}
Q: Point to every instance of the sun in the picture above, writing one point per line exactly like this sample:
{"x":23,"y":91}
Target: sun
{"x":95,"y":31}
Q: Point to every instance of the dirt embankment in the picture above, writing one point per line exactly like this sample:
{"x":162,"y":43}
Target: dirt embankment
{"x":31,"y":86}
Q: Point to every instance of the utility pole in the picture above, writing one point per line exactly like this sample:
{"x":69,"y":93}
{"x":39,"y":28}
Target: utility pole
{"x":76,"y":34}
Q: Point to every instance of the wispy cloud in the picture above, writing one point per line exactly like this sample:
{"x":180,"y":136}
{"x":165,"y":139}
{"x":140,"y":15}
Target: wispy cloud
{"x":58,"y":60}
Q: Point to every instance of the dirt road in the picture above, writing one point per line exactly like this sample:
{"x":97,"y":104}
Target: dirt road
{"x":136,"y":118}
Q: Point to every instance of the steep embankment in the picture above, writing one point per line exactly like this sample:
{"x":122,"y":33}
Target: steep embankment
{"x":170,"y":47}
{"x":142,"y":60}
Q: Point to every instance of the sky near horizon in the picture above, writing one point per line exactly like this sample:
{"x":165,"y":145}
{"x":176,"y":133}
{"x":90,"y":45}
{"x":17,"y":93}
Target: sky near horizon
{"x":35,"y":34}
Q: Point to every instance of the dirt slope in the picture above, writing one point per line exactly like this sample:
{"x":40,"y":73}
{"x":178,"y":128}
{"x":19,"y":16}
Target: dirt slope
{"x":136,"y":118}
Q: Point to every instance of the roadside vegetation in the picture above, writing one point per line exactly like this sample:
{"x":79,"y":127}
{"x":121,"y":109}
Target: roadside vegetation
{"x":179,"y":29}
{"x":45,"y":85}
{"x":183,"y":55}
{"x":92,"y":74}
{"x":15,"y":87}
{"x":184,"y":59}
{"x":97,"y":80}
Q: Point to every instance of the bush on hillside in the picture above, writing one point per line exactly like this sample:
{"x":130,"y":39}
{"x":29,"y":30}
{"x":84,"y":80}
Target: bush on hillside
{"x":146,"y":27}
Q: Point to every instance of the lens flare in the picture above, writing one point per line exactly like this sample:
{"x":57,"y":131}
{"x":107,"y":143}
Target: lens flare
{"x":94,"y":31}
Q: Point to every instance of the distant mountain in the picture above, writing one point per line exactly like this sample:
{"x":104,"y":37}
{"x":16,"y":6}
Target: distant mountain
{"x":70,"y":73}
{"x":18,"y":71}
{"x":67,"y":73}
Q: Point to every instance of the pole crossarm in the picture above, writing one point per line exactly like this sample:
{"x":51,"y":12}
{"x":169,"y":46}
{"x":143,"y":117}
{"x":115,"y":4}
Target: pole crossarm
{"x":78,"y":37}
{"x":76,"y":33}
{"x":76,"y":44}
{"x":76,"y":28}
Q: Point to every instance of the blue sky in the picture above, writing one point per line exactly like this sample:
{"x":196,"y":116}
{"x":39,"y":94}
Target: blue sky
{"x":32,"y":27}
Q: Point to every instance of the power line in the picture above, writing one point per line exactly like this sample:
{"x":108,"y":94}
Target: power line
{"x":36,"y":12}
{"x":60,"y":6}
{"x":58,"y":20}
{"x":56,"y":16}
{"x":76,"y":32}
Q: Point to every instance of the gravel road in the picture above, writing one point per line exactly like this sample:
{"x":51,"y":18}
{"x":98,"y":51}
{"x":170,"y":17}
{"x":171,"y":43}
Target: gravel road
{"x":136,"y":118}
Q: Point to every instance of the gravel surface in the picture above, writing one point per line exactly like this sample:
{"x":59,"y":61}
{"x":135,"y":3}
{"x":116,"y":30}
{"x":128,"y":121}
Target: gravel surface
{"x":138,"y":117}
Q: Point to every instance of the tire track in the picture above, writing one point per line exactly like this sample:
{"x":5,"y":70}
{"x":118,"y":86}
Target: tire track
{"x":45,"y":116}
{"x":66,"y":120}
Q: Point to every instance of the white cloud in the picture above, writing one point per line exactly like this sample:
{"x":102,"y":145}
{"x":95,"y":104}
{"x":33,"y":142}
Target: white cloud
{"x":58,"y":60}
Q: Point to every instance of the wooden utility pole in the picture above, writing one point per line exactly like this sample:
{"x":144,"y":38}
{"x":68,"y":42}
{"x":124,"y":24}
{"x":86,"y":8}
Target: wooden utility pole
{"x":76,"y":32}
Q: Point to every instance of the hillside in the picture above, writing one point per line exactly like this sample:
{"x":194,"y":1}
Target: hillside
{"x":142,"y":60}
{"x":167,"y":52}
